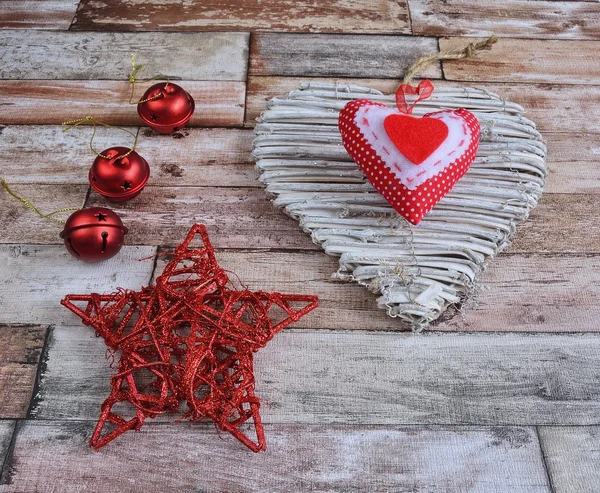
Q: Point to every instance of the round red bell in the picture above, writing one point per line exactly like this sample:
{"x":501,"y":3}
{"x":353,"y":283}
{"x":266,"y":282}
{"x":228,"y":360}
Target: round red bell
{"x":93,"y":234}
{"x":119,"y":178}
{"x":166,"y":107}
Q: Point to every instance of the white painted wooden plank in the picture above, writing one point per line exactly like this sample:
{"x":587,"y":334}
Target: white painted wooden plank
{"x":541,"y":293}
{"x":221,"y":157}
{"x":190,"y":157}
{"x":572,"y":456}
{"x":339,"y":55}
{"x":185,"y":457}
{"x":318,"y":377}
{"x":538,"y":293}
{"x":7,"y":427}
{"x":32,"y":54}
{"x":35,"y":278}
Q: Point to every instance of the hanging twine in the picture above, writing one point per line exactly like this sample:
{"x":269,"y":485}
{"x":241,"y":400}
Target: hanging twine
{"x":467,"y":52}
{"x":90,"y":119}
{"x":32,"y":207}
{"x":132,"y":79}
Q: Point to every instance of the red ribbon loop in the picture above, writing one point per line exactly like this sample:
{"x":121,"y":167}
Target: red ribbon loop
{"x":423,"y":91}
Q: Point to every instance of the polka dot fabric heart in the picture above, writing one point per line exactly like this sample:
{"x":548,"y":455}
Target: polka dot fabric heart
{"x":411,"y":189}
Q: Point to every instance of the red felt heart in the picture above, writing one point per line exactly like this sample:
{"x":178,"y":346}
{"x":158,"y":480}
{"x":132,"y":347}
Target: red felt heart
{"x":411,"y":189}
{"x":416,"y":138}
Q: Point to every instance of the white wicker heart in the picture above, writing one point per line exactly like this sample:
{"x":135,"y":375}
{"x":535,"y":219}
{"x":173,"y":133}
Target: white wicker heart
{"x":418,"y":270}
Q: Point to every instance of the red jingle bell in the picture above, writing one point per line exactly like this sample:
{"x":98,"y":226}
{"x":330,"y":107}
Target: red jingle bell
{"x":122,"y":176}
{"x":166,"y":107}
{"x":93,"y":234}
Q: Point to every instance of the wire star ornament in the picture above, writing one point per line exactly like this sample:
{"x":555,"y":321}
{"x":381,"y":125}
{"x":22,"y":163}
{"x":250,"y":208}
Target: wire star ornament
{"x":189,"y":339}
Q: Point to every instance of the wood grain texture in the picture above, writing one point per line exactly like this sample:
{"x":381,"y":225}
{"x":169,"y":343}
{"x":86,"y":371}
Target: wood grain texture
{"x":370,"y":378}
{"x":318,"y":55}
{"x":538,"y":61}
{"x":521,"y":293}
{"x":192,"y":156}
{"x":31,"y":54}
{"x":33,"y":102}
{"x":534,"y":293}
{"x":335,"y":16}
{"x":244,"y":218}
{"x":262,"y":88}
{"x":512,"y":18}
{"x":38,"y":277}
{"x":235,"y":217}
{"x":37,"y":14}
{"x":572,"y":455}
{"x":20,"y":352}
{"x":221,"y":157}
{"x":554,"y":108}
{"x":7,"y":428}
{"x":300,"y":458}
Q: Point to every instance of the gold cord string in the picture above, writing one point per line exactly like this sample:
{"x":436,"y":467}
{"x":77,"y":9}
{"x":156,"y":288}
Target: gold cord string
{"x":90,"y":119}
{"x":32,"y":207}
{"x":134,"y":71}
{"x":467,"y":52}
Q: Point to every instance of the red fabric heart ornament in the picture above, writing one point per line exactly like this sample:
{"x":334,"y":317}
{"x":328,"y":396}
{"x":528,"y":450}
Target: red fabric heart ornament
{"x":412,"y":162}
{"x":416,"y":138}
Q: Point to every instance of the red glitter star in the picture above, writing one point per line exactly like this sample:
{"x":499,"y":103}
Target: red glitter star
{"x":190,"y":338}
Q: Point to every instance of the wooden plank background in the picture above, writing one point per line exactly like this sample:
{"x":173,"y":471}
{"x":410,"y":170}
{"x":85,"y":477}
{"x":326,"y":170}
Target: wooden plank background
{"x":572,"y":454}
{"x":383,"y":16}
{"x":504,"y":395}
{"x":373,"y":377}
{"x":303,"y":458}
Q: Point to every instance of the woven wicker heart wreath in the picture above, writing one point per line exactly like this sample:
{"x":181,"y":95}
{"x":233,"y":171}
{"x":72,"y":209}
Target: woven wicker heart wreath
{"x":418,"y":271}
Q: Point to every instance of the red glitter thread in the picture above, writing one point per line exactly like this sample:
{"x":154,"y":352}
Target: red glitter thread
{"x":190,"y":337}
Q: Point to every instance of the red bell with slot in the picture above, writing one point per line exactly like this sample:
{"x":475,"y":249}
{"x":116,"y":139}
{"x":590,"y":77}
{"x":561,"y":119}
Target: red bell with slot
{"x":93,"y":234}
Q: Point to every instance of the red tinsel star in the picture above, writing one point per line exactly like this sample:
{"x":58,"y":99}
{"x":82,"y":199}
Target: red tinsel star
{"x":189,"y":338}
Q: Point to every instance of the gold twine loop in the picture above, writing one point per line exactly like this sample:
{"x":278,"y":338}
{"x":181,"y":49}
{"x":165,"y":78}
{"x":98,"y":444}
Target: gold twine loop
{"x":32,"y":207}
{"x":90,"y":119}
{"x":132,"y":79}
{"x":467,"y":52}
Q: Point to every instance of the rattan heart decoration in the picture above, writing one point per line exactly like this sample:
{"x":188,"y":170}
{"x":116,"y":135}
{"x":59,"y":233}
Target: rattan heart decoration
{"x":418,"y":270}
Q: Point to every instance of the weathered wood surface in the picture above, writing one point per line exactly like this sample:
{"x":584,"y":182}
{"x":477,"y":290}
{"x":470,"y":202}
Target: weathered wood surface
{"x":554,"y":108}
{"x":510,"y":300}
{"x":32,"y":54}
{"x":20,"y":351}
{"x":514,"y":60}
{"x":319,"y":55}
{"x":245,"y":218}
{"x":572,"y":456}
{"x":192,"y":157}
{"x":37,"y":14}
{"x":34,"y":102}
{"x":221,"y":157}
{"x":300,"y":458}
{"x":356,"y":377}
{"x":262,"y":88}
{"x":334,"y":16}
{"x":516,"y":18}
{"x":533,"y":293}
{"x":7,"y":428}
{"x":35,"y":278}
